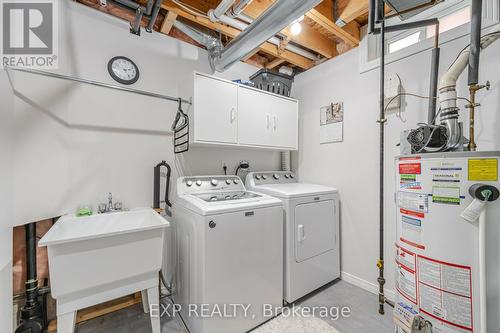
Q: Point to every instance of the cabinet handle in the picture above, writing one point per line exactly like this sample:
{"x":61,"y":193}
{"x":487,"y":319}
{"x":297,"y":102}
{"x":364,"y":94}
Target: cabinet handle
{"x":268,"y":121}
{"x":275,"y":123}
{"x":233,"y":115}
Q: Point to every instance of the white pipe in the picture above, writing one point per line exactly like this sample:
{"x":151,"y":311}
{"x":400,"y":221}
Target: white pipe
{"x":448,"y":93}
{"x":273,"y":40}
{"x":450,"y":78}
{"x":222,"y":8}
{"x":482,"y":271}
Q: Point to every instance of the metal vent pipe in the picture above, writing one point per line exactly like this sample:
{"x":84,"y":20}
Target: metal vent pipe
{"x":212,"y":44}
{"x":222,"y":8}
{"x":280,"y":15}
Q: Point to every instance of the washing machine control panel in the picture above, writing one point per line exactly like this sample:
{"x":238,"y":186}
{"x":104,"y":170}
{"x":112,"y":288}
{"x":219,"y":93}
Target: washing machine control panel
{"x":271,"y":177}
{"x":206,"y":184}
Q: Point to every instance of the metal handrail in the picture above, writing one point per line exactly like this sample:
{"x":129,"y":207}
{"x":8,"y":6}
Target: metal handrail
{"x":99,"y":84}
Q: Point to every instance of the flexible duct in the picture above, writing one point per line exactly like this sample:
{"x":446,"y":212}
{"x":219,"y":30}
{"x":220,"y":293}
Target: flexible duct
{"x":212,"y":44}
{"x":281,"y":14}
{"x":448,"y":93}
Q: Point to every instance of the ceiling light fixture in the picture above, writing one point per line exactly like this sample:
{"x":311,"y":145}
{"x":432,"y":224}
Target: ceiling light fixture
{"x":296,"y":27}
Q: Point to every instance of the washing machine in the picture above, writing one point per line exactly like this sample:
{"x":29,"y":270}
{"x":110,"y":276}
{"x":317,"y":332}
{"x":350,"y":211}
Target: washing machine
{"x":229,"y":254}
{"x":311,"y":244}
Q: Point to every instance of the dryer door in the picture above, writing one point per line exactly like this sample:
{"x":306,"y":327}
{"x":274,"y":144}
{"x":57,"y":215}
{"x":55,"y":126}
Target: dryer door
{"x":314,"y":229}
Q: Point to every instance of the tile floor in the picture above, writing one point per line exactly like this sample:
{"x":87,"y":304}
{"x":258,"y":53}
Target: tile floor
{"x":363,"y":318}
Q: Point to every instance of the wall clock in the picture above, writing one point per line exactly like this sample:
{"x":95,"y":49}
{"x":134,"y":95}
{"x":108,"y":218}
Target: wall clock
{"x":123,"y":70}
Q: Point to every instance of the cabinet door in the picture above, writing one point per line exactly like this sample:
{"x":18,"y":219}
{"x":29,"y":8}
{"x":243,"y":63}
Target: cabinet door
{"x":215,"y":112}
{"x":254,"y":117}
{"x":284,"y":123}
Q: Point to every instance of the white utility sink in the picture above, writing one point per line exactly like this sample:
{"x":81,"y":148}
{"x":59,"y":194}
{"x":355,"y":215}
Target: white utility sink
{"x":102,"y":257}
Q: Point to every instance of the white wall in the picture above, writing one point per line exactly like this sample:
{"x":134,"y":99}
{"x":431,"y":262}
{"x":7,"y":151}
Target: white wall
{"x":74,"y":143}
{"x":6,"y":113}
{"x":352,"y":165}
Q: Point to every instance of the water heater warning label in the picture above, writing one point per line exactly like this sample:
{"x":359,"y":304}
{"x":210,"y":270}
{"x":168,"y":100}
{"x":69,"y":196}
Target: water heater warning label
{"x":410,"y":168}
{"x":483,"y":170}
{"x":445,"y":292}
{"x":406,"y":279}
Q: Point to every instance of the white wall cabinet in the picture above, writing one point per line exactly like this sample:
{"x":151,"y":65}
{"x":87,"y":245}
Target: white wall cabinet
{"x":216,"y":102}
{"x":226,"y":113}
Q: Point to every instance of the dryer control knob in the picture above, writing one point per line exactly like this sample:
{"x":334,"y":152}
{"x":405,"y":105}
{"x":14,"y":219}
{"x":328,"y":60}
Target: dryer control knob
{"x":214,"y":182}
{"x":292,"y":176}
{"x":189,"y":183}
{"x":287,"y":176}
{"x":257,"y":177}
{"x":228,"y":181}
{"x":264,"y":177}
{"x":236,"y":181}
{"x":198,"y":183}
{"x":276,"y":176}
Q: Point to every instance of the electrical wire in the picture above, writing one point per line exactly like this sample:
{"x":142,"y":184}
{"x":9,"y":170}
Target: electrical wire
{"x":424,"y":97}
{"x":190,"y":9}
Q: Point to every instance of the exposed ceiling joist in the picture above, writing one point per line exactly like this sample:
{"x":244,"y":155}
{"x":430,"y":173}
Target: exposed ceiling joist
{"x":267,"y":47}
{"x":352,"y":10}
{"x":276,"y":62}
{"x":322,"y":15}
{"x":168,"y":23}
{"x":308,"y":38}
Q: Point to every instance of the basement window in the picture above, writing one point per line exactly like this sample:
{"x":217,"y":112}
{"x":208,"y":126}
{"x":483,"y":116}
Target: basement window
{"x":404,"y":42}
{"x":454,"y":17}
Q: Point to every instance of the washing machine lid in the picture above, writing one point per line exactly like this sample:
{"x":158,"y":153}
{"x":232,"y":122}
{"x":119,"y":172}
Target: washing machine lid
{"x":205,"y":204}
{"x":294,"y":190}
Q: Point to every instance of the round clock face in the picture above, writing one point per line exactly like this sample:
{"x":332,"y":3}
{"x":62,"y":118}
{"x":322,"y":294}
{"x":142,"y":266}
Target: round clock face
{"x":123,"y":70}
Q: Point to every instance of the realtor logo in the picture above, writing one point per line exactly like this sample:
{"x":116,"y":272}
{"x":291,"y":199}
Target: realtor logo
{"x":29,"y":33}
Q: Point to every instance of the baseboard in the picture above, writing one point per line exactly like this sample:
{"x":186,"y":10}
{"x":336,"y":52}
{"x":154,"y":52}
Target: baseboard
{"x":368,"y":286}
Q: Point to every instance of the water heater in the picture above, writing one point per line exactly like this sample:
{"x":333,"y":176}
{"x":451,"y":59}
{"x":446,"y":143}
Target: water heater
{"x":447,"y":259}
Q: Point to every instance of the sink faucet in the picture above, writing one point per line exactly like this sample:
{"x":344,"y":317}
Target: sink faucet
{"x":110,"y":207}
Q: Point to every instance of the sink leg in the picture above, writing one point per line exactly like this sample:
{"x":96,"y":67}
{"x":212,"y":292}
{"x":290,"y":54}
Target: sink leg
{"x":66,"y":322}
{"x":154,"y":298}
{"x":145,"y":303}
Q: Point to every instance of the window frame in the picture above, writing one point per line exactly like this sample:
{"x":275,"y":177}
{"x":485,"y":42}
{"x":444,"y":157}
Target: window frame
{"x":371,"y":43}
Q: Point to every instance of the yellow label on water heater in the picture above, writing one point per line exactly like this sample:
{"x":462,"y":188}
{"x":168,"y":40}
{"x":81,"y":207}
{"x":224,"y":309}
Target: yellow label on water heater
{"x":483,"y":169}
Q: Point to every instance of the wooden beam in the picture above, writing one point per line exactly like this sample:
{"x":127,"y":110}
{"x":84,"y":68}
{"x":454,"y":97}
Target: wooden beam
{"x":101,"y":309}
{"x":283,"y":44}
{"x":250,"y":55}
{"x":256,"y":60}
{"x":274,"y":63}
{"x":168,"y":23}
{"x":353,"y":9}
{"x":352,"y":37}
{"x":309,"y":38}
{"x":267,"y":47}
